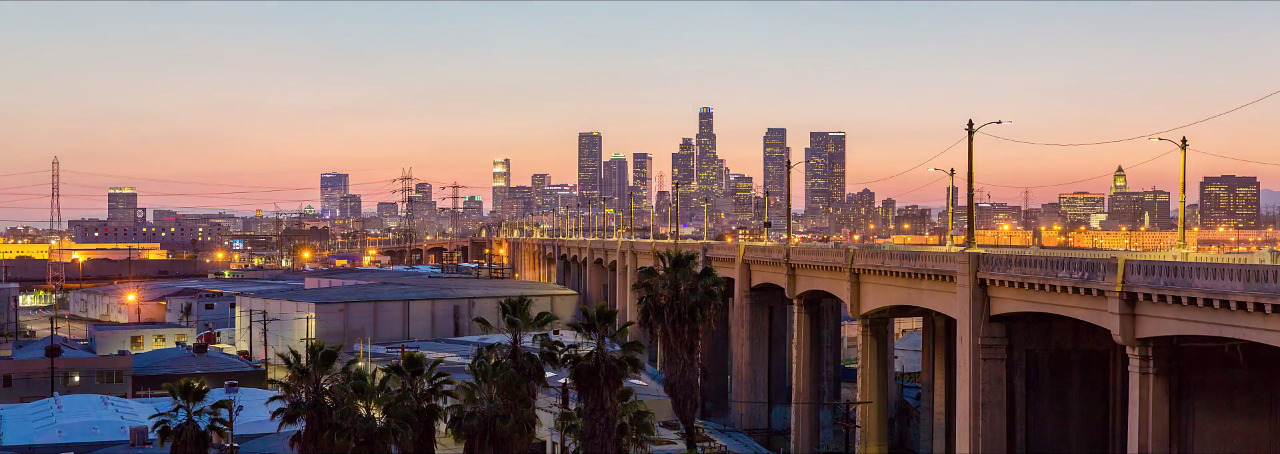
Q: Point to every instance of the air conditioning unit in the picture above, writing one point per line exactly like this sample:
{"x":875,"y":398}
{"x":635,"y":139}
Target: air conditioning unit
{"x":200,"y":348}
{"x":231,"y":386}
{"x":138,"y":436}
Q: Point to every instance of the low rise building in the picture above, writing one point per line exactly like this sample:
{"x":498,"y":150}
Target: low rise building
{"x":137,"y":337}
{"x":28,"y":375}
{"x":151,"y":370}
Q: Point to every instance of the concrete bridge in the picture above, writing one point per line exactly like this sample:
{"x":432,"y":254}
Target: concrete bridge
{"x":1021,"y":352}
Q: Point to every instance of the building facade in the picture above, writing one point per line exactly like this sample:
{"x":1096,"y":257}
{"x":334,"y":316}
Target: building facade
{"x":122,"y":205}
{"x":501,"y":181}
{"x":333,"y":186}
{"x":590,"y":152}
{"x":1078,"y":207}
{"x":1230,"y":202}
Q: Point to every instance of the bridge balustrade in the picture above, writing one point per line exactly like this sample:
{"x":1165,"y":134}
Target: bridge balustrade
{"x":1068,"y":268}
{"x":1204,"y":276}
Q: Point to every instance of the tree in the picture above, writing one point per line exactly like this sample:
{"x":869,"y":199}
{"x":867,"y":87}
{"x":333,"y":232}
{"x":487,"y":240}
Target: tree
{"x":492,"y":413}
{"x":189,"y":422}
{"x":418,"y":392}
{"x":361,"y":398}
{"x":636,"y":425}
{"x":526,"y":364}
{"x":598,"y":371}
{"x":678,"y":301}
{"x":308,"y":397}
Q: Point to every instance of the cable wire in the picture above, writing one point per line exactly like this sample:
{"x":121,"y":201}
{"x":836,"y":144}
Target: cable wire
{"x":1108,"y":174}
{"x":917,"y":166}
{"x":1234,"y":158}
{"x":1142,"y":136}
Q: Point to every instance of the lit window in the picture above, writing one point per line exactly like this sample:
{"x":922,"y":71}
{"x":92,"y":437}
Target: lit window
{"x":179,"y":337}
{"x":135,"y":343}
{"x":157,"y":341}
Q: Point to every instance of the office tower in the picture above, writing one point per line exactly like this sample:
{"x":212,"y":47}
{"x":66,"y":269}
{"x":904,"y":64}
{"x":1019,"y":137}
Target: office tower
{"x":743,"y":192}
{"x":473,"y":206}
{"x":834,"y":144}
{"x":590,"y":149}
{"x":539,"y":180}
{"x":388,"y":210}
{"x":1155,"y":210}
{"x":1119,"y":182}
{"x":683,"y":174}
{"x":332,"y":186}
{"x":708,"y":166}
{"x":423,"y":190}
{"x":662,"y":206}
{"x":642,"y":177}
{"x":817,"y":190}
{"x":349,"y":206}
{"x":122,"y":204}
{"x":913,"y":220}
{"x":1051,"y":216}
{"x":614,"y":182}
{"x":519,"y":202}
{"x":1125,"y":209}
{"x":888,"y":209}
{"x":501,"y":181}
{"x":1229,"y":202}
{"x":1078,"y":207}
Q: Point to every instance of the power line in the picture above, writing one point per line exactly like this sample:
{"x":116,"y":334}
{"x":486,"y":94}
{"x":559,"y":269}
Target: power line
{"x":1234,"y":158}
{"x":1105,"y":175}
{"x":917,"y":166}
{"x":1126,"y":139}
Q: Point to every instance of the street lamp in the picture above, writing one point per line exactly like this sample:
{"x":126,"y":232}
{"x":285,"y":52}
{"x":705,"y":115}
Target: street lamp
{"x":133,"y":299}
{"x":951,"y":201}
{"x":789,"y":167}
{"x":972,"y":224}
{"x":1182,"y":192}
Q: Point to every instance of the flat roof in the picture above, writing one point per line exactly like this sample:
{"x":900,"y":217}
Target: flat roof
{"x":401,"y":289}
{"x":178,"y":360}
{"x":155,"y":290}
{"x":135,"y":325}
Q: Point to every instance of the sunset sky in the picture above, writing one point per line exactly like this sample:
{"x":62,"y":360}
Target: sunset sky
{"x":238,"y":97}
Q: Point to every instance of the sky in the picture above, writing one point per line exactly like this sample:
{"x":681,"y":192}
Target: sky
{"x":204,"y":106}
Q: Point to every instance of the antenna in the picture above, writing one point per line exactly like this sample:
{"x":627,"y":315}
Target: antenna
{"x":56,"y":274}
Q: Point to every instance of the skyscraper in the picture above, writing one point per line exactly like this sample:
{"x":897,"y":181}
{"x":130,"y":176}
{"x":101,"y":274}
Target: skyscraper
{"x":817,"y":189}
{"x":683,"y":174}
{"x":614,"y":181}
{"x":122,"y":204}
{"x":423,"y":190}
{"x":501,"y":181}
{"x":742,"y":188}
{"x":642,"y":176}
{"x":776,"y":155}
{"x":590,"y":149}
{"x":349,"y":206}
{"x":709,"y":167}
{"x":834,"y":144}
{"x":1230,"y":202}
{"x":1155,"y":210}
{"x":332,"y":187}
{"x":388,"y":210}
{"x":537,"y":182}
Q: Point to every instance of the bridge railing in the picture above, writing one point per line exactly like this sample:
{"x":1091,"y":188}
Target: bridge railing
{"x":723,"y":250}
{"x":828,"y":256}
{"x":1050,"y":267}
{"x":940,"y":261}
{"x":1204,"y":276}
{"x":764,"y":252}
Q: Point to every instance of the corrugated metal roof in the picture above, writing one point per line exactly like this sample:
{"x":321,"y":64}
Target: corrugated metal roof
{"x":178,"y":360}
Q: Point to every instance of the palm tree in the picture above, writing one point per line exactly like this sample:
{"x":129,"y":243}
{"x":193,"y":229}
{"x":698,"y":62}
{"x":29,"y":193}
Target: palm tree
{"x":637,"y":425}
{"x":365,"y":426}
{"x":189,"y":422}
{"x":491,"y":414}
{"x":527,"y":365}
{"x":418,"y":392}
{"x":678,"y":300}
{"x":598,"y":372}
{"x":309,"y":402}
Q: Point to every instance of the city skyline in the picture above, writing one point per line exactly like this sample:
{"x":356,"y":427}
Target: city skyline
{"x":221,"y":128}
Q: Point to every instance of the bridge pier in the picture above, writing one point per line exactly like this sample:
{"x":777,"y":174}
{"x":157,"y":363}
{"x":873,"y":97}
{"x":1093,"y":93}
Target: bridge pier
{"x":875,"y":366}
{"x":1148,"y":425}
{"x":938,"y":386}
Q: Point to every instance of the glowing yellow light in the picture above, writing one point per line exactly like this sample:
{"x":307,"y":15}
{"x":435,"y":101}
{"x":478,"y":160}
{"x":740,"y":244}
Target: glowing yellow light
{"x":219,"y":256}
{"x":131,"y":297}
{"x":373,"y":252}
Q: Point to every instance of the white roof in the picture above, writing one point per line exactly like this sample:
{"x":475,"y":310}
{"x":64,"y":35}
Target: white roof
{"x":77,"y":418}
{"x":93,"y":418}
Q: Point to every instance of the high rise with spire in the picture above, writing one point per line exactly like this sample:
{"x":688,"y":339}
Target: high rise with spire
{"x":1119,"y":182}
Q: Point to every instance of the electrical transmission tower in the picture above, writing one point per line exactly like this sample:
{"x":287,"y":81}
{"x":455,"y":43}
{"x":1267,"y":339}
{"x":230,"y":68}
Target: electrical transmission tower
{"x":1026,"y":199}
{"x":408,"y":220}
{"x":454,"y":208}
{"x":56,"y":272}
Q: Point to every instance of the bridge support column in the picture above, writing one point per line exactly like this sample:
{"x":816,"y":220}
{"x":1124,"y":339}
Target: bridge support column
{"x":1148,"y":426}
{"x":748,"y":348}
{"x":874,"y":366}
{"x":805,"y":395}
{"x":981,"y":350}
{"x":938,"y":404}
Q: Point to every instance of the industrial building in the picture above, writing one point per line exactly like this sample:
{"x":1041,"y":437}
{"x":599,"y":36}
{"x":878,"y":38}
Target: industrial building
{"x":362,"y":306}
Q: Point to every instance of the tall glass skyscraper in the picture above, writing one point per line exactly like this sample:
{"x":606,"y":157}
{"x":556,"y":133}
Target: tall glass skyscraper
{"x":333,"y":186}
{"x":614,"y":181}
{"x":833,"y":143}
{"x":682,"y":173}
{"x":776,"y":155}
{"x":590,"y":151}
{"x":642,"y":177}
{"x":709,"y":166}
{"x":122,"y":204}
{"x":817,"y":189}
{"x":501,"y":181}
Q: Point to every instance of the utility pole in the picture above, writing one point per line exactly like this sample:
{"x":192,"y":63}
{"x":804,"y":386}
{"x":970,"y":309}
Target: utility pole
{"x":706,"y":217}
{"x":789,"y":223}
{"x":631,"y":215}
{"x":971,"y":235}
{"x":1182,"y":193}
{"x":768,"y":224}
